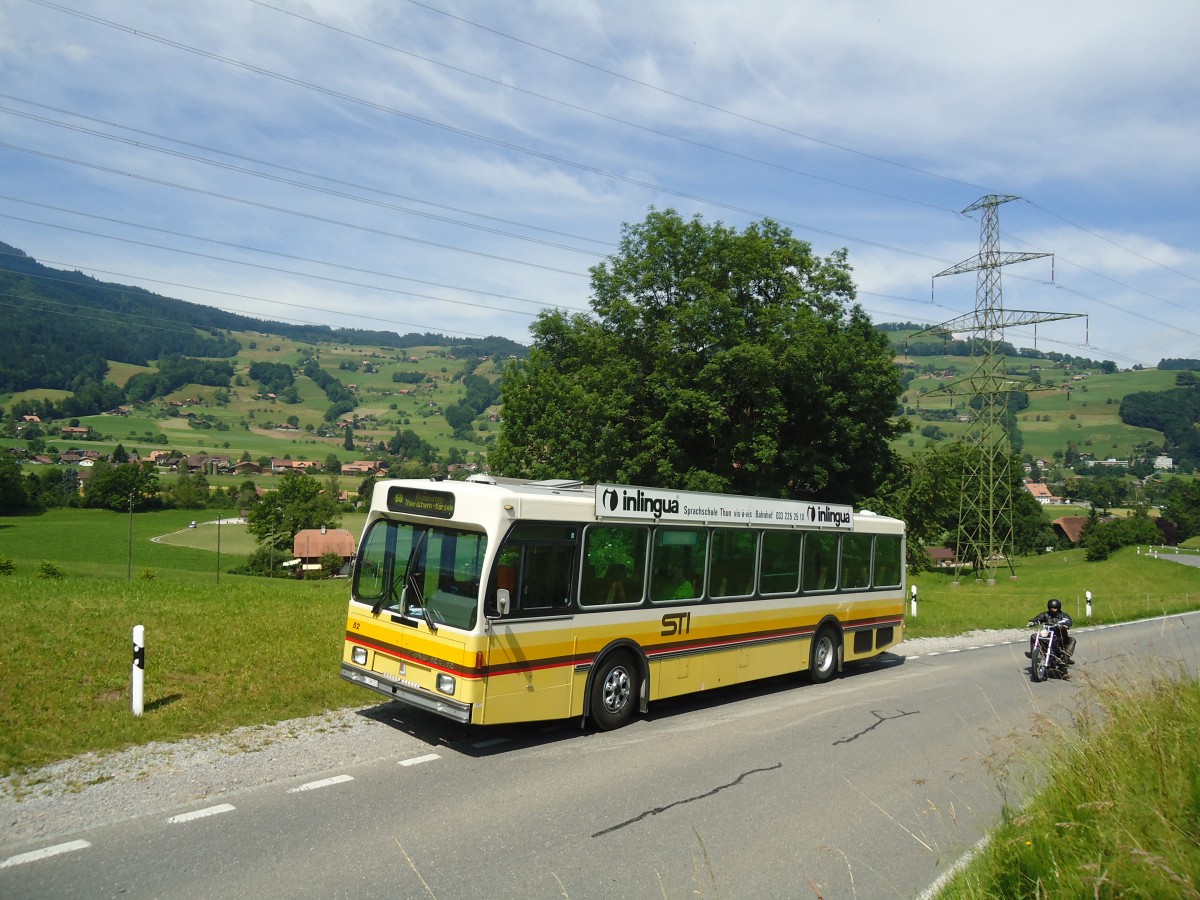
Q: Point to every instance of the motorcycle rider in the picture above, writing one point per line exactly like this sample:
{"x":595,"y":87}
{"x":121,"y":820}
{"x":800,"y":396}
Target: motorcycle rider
{"x":1054,"y":615}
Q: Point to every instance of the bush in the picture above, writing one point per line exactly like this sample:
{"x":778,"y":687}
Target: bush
{"x":266,"y":561}
{"x":6,"y":565}
{"x":1102,"y":538}
{"x":50,"y":570}
{"x":331,"y":564}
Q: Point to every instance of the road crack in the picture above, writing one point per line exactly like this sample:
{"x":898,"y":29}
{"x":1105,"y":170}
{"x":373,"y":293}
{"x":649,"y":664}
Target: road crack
{"x":662,"y":809}
{"x":880,"y":718}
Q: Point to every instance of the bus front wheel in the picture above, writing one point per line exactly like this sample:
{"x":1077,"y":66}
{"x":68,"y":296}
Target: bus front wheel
{"x":822,"y":660}
{"x":615,"y":691}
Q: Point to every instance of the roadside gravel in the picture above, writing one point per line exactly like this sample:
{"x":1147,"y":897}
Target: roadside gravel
{"x":103,"y":788}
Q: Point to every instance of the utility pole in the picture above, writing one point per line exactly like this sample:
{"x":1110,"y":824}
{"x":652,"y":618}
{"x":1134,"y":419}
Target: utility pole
{"x":985,"y":537}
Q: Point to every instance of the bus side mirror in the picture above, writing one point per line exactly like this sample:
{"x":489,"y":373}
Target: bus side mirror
{"x":503,"y":603}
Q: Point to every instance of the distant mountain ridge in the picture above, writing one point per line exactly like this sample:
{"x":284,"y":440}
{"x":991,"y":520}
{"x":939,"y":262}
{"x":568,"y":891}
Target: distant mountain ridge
{"x":61,"y":327}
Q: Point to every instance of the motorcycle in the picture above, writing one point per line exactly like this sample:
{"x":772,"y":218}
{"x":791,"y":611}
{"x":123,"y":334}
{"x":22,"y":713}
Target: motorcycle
{"x":1046,"y":657}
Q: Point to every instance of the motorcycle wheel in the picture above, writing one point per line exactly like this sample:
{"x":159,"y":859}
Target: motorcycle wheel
{"x":1037,"y":664}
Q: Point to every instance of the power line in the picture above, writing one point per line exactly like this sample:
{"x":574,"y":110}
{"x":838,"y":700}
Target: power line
{"x":293,"y":212}
{"x":733,"y":154}
{"x":694,"y":101}
{"x":769,"y":125}
{"x":462,"y":132}
{"x":1113,"y":243}
{"x":287,"y":181}
{"x":125,"y":289}
{"x":243,"y":262}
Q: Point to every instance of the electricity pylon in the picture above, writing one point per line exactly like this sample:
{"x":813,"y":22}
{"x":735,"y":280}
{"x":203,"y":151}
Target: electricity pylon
{"x":985,"y":534}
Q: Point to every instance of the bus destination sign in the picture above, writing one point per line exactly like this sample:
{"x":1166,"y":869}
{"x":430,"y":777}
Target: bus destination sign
{"x":623,"y":501}
{"x":420,"y":502}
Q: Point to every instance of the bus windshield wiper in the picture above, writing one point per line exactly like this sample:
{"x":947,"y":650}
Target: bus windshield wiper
{"x":411,"y":583}
{"x":425,"y":614}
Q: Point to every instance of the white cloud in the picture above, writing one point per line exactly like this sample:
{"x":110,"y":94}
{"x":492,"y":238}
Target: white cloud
{"x":1093,"y":118}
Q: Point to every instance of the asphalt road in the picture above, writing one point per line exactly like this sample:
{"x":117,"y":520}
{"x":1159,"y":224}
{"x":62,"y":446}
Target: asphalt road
{"x":870,"y":786}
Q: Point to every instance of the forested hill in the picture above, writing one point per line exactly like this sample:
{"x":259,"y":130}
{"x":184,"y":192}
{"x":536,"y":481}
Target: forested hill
{"x":61,"y":327}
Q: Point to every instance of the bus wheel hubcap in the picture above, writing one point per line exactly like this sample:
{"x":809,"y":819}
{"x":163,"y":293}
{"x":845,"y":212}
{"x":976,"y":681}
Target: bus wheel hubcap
{"x":616,"y":690}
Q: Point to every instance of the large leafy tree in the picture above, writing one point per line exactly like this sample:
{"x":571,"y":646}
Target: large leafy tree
{"x":297,"y":504}
{"x":714,"y":360}
{"x":1181,"y":506}
{"x":121,"y":487}
{"x":13,"y":496}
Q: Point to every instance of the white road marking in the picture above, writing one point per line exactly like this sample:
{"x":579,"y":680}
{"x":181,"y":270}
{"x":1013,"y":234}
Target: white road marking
{"x":201,"y":813}
{"x":417,"y":760}
{"x":324,"y":782}
{"x":44,"y":853}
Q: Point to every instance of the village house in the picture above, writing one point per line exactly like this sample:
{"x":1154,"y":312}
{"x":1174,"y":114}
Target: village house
{"x":282,"y":466}
{"x":204,"y":464}
{"x":311,"y":544}
{"x":1042,"y":493}
{"x":1069,"y":527}
{"x":943,"y":557}
{"x":364,"y":467}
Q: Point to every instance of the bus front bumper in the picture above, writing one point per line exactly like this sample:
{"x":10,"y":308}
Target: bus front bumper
{"x":421,"y":699}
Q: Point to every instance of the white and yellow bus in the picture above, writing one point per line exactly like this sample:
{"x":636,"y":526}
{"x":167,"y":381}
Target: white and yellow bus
{"x":489,"y":602}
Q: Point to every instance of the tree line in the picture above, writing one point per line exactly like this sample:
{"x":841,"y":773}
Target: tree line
{"x":739,"y":362}
{"x":1174,"y":412}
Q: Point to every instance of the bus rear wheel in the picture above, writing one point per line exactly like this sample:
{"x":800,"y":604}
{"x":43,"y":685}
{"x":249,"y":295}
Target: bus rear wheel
{"x":615,"y":691}
{"x":822,"y":658}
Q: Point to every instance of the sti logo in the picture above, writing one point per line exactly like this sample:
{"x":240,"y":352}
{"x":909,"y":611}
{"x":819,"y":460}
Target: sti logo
{"x":676,"y":623}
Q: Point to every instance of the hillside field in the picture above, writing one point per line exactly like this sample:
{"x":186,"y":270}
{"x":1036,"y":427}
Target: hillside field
{"x":1072,"y":406}
{"x":1078,"y":406}
{"x":248,"y":422}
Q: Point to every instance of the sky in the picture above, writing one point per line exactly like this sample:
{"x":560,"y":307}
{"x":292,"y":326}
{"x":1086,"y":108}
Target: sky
{"x":456,"y":167}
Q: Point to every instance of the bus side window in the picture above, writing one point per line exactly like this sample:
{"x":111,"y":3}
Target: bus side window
{"x":856,"y":561}
{"x":677,"y":564}
{"x":889,"y":560}
{"x":614,"y":565}
{"x":615,"y":581}
{"x":547,"y":578}
{"x":536,"y":565}
{"x":732,"y":565}
{"x":819,"y":572}
{"x":780,"y":568}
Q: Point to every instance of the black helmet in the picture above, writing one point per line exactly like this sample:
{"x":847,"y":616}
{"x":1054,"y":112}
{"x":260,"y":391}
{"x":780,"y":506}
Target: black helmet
{"x":1054,"y":606}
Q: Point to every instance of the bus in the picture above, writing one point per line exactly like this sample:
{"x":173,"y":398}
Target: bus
{"x":491,"y":600}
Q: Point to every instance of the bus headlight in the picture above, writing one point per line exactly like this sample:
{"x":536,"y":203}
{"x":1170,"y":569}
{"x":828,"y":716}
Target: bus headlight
{"x":358,"y":656}
{"x":445,"y":683}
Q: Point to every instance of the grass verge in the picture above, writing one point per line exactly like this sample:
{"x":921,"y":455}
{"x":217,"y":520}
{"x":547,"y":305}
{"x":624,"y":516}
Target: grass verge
{"x":1120,"y":813}
{"x":245,"y":652}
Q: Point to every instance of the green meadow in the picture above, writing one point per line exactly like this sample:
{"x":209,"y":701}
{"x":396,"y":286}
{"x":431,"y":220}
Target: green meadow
{"x":226,"y":650}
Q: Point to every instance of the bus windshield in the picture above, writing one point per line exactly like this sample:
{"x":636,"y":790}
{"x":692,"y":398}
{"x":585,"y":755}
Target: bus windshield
{"x":422,"y":571}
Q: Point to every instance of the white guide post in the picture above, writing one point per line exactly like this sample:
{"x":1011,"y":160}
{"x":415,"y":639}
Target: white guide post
{"x":139,"y":666}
